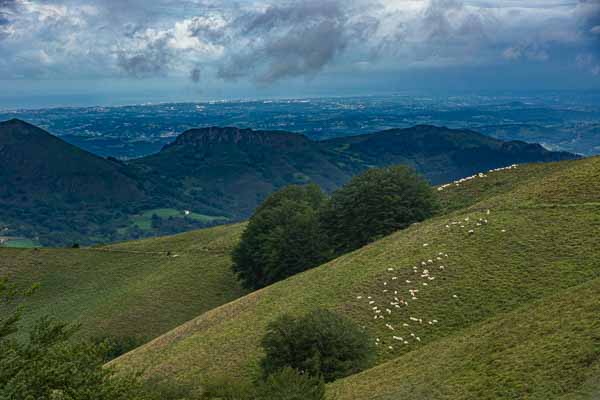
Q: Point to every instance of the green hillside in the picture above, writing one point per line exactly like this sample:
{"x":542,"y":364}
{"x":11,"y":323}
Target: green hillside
{"x":521,"y":354}
{"x":142,"y":288}
{"x":535,"y":250}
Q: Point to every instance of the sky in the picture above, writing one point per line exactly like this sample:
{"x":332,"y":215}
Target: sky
{"x":84,"y":52}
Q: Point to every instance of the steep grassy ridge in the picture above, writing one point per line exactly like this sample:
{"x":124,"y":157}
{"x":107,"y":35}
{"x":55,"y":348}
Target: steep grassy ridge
{"x":540,"y":238}
{"x":139,"y":288}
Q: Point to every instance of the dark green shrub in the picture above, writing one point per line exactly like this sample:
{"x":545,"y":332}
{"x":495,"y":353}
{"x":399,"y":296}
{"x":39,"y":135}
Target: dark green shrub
{"x":375,"y":204}
{"x":162,"y":389}
{"x":284,"y":384}
{"x":282,"y":238}
{"x":225,"y":388}
{"x":112,"y":347}
{"x":50,"y":365}
{"x":289,"y":384}
{"x":320,"y":344}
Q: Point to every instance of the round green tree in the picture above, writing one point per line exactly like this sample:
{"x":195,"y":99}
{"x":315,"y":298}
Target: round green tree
{"x":375,"y":204}
{"x":320,"y":344}
{"x":282,"y":238}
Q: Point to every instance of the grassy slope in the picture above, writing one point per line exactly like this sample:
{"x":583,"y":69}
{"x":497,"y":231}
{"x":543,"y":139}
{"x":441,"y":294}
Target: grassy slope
{"x":132,"y":288}
{"x":540,"y":351}
{"x":541,"y":239}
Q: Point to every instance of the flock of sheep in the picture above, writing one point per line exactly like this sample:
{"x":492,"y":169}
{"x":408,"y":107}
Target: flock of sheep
{"x":391,"y":306}
{"x":469,"y":178}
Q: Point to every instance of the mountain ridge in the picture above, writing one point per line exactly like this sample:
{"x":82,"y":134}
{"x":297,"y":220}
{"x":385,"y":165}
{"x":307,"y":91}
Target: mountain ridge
{"x":219,"y":173}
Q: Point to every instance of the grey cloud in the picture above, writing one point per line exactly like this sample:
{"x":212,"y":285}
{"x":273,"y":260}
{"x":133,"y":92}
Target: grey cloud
{"x":252,"y":40}
{"x":588,"y":12}
{"x":153,"y":59}
{"x":196,"y":74}
{"x":298,"y":12}
{"x":532,"y":51}
{"x":8,"y":4}
{"x":7,"y":8}
{"x":442,"y":25}
{"x":206,"y":30}
{"x":298,"y":38}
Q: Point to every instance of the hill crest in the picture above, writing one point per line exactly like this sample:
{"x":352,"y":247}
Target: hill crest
{"x":212,"y":172}
{"x":236,"y":136}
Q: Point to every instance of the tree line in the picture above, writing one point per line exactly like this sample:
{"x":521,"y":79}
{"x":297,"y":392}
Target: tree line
{"x":299,"y":227}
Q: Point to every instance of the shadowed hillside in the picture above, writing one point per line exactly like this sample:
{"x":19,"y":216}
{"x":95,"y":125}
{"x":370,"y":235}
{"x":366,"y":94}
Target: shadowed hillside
{"x":235,"y":169}
{"x":56,"y":194}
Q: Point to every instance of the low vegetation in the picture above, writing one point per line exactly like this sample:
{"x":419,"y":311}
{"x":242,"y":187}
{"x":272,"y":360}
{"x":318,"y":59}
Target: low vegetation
{"x":48,"y":365}
{"x":284,"y":384}
{"x":321,"y":344}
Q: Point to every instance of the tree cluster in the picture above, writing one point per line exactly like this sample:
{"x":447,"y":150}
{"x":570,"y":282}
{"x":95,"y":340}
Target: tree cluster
{"x":298,"y":227}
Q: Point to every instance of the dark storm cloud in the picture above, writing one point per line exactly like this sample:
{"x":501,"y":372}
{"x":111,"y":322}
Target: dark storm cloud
{"x":196,"y":74}
{"x":151,"y":60}
{"x":293,"y":39}
{"x":7,"y":4}
{"x":7,"y":8}
{"x":298,"y":12}
{"x":439,"y":21}
{"x":588,"y":13}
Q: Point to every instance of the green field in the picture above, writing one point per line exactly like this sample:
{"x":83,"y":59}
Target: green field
{"x":21,"y":244}
{"x":144,"y":220}
{"x":513,"y":314}
{"x":139,"y":288}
